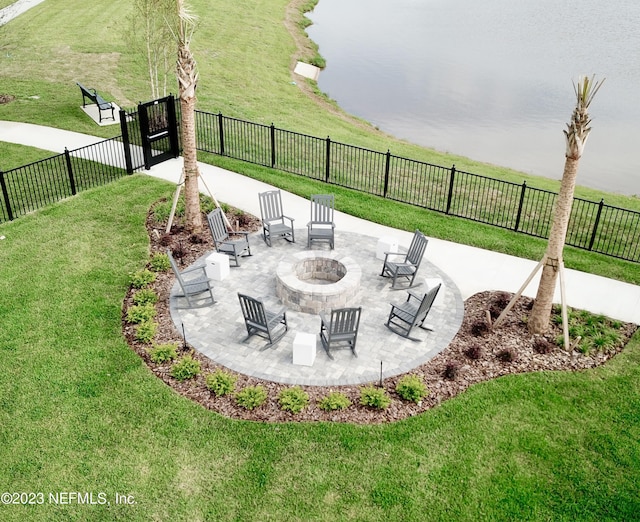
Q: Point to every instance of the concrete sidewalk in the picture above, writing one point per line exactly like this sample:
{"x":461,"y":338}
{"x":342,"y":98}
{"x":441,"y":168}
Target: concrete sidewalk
{"x":472,"y":269}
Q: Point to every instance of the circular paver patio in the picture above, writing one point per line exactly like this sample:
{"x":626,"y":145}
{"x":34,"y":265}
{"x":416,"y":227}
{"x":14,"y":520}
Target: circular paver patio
{"x":218,"y":331}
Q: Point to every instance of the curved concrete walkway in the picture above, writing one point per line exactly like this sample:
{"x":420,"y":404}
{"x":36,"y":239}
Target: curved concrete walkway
{"x":471,"y":269}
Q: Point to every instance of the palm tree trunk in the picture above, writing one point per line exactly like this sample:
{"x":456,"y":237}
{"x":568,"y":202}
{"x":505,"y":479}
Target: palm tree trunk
{"x":188,"y":79}
{"x":539,"y":318}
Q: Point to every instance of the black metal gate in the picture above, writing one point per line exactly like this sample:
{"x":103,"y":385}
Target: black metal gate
{"x":158,"y":131}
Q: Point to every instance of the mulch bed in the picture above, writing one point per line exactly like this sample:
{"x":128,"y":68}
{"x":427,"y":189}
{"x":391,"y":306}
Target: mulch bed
{"x":476,"y":354}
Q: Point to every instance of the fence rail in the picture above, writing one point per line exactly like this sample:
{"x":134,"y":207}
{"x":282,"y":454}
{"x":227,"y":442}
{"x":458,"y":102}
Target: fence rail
{"x":33,"y":186}
{"x":594,"y":226}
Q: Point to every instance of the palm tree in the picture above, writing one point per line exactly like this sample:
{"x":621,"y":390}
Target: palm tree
{"x":188,"y":79}
{"x":576,"y":137}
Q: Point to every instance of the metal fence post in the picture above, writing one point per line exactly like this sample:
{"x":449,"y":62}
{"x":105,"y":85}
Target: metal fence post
{"x":273,"y":146}
{"x":5,"y":195}
{"x":450,"y":195}
{"x":386,"y":173}
{"x":524,"y":188}
{"x":596,"y":224}
{"x":126,"y":144}
{"x":221,"y":132}
{"x":72,"y":180}
{"x":328,"y":160}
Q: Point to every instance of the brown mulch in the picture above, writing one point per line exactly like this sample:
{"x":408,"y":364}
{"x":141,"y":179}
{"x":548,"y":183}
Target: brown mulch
{"x":476,"y":354}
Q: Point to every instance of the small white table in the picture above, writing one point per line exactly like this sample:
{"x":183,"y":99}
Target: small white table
{"x":304,"y":349}
{"x":386,"y":244}
{"x":217,"y":266}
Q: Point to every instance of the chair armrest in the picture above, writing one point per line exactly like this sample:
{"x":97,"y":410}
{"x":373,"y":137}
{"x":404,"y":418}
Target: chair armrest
{"x":402,"y":254}
{"x":194,"y":268}
{"x":289,"y":218}
{"x":414,"y":295}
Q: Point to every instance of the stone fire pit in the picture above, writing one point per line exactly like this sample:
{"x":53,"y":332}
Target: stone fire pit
{"x":317,"y":281}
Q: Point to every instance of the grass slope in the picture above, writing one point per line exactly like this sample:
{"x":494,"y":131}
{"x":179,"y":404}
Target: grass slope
{"x":80,"y":412}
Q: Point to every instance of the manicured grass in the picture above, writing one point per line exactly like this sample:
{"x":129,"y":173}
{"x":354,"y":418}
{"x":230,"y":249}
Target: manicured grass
{"x":244,"y":55}
{"x":80,"y":412}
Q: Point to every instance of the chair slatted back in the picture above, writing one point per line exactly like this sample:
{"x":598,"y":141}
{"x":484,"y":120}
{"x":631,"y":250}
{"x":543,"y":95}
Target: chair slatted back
{"x":344,"y":321}
{"x":176,"y":270}
{"x":322,"y":206}
{"x":417,"y":248}
{"x":271,"y":205}
{"x":216,"y":224}
{"x":252,"y":309}
{"x":427,"y":302}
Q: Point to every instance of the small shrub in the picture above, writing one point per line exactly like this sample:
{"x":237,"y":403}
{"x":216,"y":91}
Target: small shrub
{"x":145,"y":296}
{"x":161,"y":353}
{"x":507,"y":355}
{"x":542,"y":345}
{"x":137,"y":314}
{"x":221,"y":382}
{"x":251,"y":397}
{"x":451,"y":371}
{"x":159,"y":262}
{"x":165,"y":240}
{"x":179,"y":251}
{"x":196,"y":239}
{"x":474,"y":352}
{"x":498,"y":304}
{"x":142,"y":278}
{"x":293,"y":399}
{"x":334,"y":401}
{"x":411,"y":388}
{"x":146,"y":331}
{"x":479,"y":328}
{"x":185,"y":368}
{"x":374,"y":397}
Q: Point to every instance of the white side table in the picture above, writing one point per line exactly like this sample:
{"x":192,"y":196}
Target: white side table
{"x":304,"y":349}
{"x":386,"y":244}
{"x":217,"y":266}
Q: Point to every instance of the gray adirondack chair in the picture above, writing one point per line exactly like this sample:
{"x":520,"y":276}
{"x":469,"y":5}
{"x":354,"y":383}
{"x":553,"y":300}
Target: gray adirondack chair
{"x":222,"y":240}
{"x":412,"y":312}
{"x":259,"y":321}
{"x":275,"y":225}
{"x":407,"y":266}
{"x":194,"y":283}
{"x":340,"y":330}
{"x":321,"y":226}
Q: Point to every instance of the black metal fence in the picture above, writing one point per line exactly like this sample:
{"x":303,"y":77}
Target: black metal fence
{"x":47,"y":181}
{"x":593,"y":226}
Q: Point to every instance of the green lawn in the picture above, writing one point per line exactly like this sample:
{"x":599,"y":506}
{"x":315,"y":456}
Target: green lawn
{"x":80,"y":412}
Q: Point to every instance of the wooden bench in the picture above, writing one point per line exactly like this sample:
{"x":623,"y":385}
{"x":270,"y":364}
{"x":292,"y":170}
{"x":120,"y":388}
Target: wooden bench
{"x":94,"y":97}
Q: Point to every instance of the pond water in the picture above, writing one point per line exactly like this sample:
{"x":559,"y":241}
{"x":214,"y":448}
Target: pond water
{"x":491,"y":80}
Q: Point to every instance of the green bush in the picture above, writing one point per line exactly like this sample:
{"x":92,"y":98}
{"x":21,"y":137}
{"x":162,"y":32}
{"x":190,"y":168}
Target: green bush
{"x":411,"y":388}
{"x":221,"y":382}
{"x":185,"y":368}
{"x":251,"y":397}
{"x":159,"y":262}
{"x":146,"y":331}
{"x":142,"y":278}
{"x":145,"y":296}
{"x":374,"y":397}
{"x":161,"y":353}
{"x":141,"y":313}
{"x":293,"y":399}
{"x":334,"y":401}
